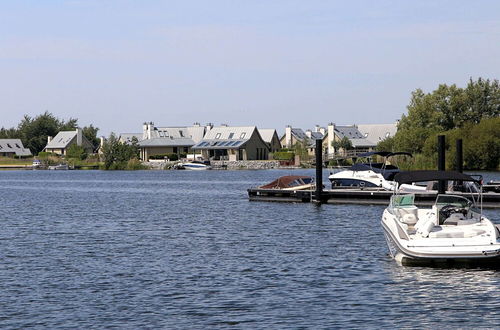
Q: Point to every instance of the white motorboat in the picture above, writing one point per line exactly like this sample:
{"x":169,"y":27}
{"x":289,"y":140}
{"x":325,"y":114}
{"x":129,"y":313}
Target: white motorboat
{"x":370,"y":174}
{"x":194,"y":165}
{"x":452,"y":232}
{"x":59,"y":167}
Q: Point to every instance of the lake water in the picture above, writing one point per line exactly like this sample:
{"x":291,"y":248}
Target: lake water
{"x":181,"y":249}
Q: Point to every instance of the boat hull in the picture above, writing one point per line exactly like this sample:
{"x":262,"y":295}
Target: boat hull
{"x":408,"y":257}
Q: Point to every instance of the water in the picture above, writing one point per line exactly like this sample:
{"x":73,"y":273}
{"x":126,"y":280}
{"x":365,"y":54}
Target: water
{"x":180,"y":249}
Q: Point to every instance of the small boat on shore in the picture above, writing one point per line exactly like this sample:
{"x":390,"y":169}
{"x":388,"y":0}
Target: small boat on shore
{"x":193,"y":165}
{"x":453,"y":232}
{"x":291,"y":182}
{"x":59,"y":167}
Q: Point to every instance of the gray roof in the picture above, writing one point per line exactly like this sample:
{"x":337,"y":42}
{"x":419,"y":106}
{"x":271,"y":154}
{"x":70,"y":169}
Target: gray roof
{"x":267,"y":134}
{"x":226,"y":137}
{"x":15,"y":146}
{"x":167,"y":142}
{"x":362,"y":143}
{"x":193,"y":132}
{"x":127,"y":137}
{"x":61,"y":140}
{"x":230,"y":132}
{"x":378,"y":132}
{"x":350,"y":132}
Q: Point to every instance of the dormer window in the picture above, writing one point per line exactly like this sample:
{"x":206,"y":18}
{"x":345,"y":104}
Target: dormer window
{"x":181,"y":133}
{"x":230,"y":135}
{"x":242,"y":136}
{"x":217,"y":136}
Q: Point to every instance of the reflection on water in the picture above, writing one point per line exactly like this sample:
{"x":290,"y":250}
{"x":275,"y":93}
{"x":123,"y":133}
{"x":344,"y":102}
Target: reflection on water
{"x":178,"y":249}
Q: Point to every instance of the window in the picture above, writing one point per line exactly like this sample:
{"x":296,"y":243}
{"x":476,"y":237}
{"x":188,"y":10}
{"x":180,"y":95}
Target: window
{"x":231,"y":135}
{"x":366,"y":135}
{"x":387,"y":134}
{"x":181,"y":133}
{"x":8,"y":145}
{"x":17,"y":145}
{"x":161,"y":134}
{"x":217,"y":136}
{"x":242,"y":136}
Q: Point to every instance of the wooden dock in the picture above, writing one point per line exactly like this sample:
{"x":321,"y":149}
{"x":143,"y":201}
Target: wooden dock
{"x":348,"y":195}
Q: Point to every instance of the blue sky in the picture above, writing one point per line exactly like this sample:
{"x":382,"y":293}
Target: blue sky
{"x":116,"y":64}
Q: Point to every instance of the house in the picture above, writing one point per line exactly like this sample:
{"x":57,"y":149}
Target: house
{"x":337,"y":132}
{"x":60,"y":143}
{"x":13,"y":148}
{"x":270,"y":137}
{"x":233,"y":143}
{"x":378,"y":132}
{"x":293,"y":136}
{"x":169,"y":140}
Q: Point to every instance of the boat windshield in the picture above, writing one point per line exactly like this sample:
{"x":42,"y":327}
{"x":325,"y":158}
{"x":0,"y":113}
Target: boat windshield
{"x":453,"y":200}
{"x":403,"y":201}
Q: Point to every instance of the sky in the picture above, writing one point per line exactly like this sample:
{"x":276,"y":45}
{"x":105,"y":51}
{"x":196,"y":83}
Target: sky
{"x":118,"y":63}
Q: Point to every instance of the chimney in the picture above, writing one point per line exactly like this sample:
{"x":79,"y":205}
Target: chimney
{"x":309,"y":133}
{"x":331,"y":136}
{"x":288,"y":136}
{"x":322,"y":131}
{"x":147,"y":130}
{"x":49,"y":138}
{"x":208,"y":127}
{"x":196,"y":124}
{"x":316,"y":128}
{"x":102,"y":140}
{"x":79,"y":137}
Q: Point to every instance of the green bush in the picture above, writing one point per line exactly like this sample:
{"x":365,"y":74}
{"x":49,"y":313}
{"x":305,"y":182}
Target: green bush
{"x":283,"y":155}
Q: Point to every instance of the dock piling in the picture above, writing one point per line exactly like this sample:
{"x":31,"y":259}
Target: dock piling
{"x":319,"y":172}
{"x":441,"y":162}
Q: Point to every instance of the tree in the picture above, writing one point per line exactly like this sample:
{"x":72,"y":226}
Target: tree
{"x":90,"y":132}
{"x":76,"y":152}
{"x":345,"y":144}
{"x":116,"y":154}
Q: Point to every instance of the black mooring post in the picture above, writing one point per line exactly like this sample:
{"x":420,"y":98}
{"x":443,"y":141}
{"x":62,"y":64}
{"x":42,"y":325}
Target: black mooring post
{"x":441,"y":162}
{"x":319,"y":171}
{"x":459,"y":165}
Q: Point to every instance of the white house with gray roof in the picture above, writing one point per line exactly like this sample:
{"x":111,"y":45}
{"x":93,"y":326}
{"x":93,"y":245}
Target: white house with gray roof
{"x":64,"y":139}
{"x":167,"y":140}
{"x":13,"y":148}
{"x":233,"y":143}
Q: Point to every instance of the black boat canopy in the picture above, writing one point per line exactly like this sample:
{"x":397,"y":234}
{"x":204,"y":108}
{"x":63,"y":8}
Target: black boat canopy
{"x":421,"y":176}
{"x":384,"y":154}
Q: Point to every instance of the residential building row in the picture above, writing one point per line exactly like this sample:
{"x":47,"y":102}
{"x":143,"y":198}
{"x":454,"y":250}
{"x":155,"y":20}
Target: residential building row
{"x":222,"y":142}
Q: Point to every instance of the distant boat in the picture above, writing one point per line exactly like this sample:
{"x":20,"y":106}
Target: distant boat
{"x":194,"y":165}
{"x":291,"y":182}
{"x":59,"y":167}
{"x":36,"y":163}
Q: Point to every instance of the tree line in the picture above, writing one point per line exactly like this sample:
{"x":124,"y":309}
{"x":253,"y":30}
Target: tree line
{"x":471,"y":113}
{"x":33,"y":132}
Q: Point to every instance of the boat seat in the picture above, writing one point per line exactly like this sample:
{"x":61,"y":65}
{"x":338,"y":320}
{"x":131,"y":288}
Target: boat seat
{"x":438,"y":232}
{"x":408,"y":215}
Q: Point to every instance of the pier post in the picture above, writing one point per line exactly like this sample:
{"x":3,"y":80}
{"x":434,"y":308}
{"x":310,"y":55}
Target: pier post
{"x":319,"y":171}
{"x":441,"y":163}
{"x":459,"y":164}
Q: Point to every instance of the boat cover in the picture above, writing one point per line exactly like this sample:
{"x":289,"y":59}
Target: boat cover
{"x":288,"y":182}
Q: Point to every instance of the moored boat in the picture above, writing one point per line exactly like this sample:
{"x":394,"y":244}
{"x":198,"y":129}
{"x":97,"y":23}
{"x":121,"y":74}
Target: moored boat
{"x":370,"y":174}
{"x":291,"y":182}
{"x":452,"y":232}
